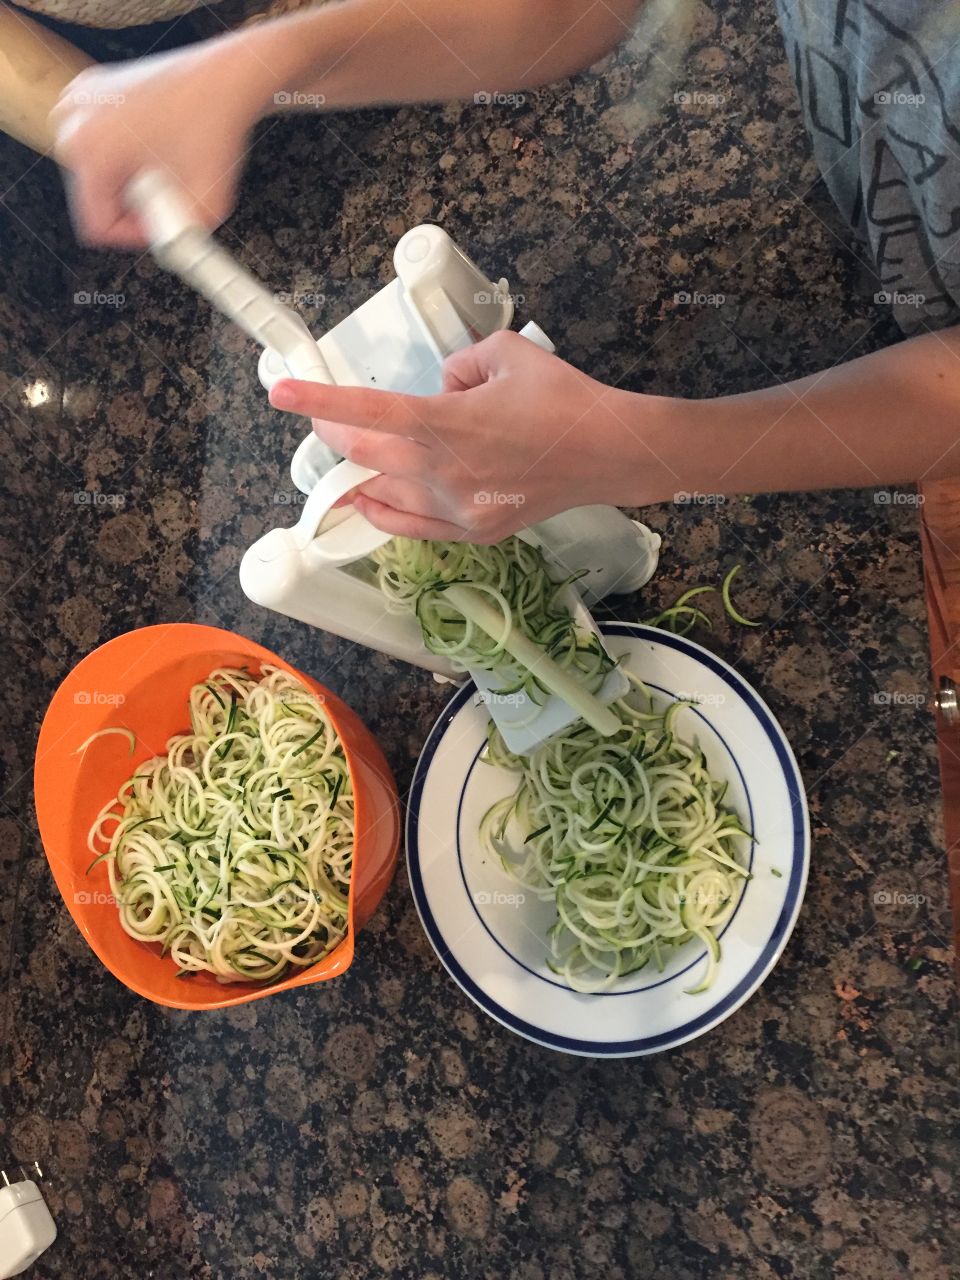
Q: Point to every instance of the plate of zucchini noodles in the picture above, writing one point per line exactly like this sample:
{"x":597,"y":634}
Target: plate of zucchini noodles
{"x":614,"y":894}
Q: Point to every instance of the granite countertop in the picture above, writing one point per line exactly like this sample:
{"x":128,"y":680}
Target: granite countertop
{"x":379,"y":1124}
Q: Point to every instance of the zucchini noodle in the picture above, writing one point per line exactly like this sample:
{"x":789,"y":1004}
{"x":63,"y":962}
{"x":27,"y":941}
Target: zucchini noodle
{"x":102,"y":733}
{"x":734,"y":613}
{"x":682,"y":616}
{"x":513,"y":576}
{"x":234,"y":850}
{"x":628,"y":835}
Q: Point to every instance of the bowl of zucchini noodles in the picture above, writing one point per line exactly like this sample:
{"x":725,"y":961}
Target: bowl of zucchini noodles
{"x":218,"y":824}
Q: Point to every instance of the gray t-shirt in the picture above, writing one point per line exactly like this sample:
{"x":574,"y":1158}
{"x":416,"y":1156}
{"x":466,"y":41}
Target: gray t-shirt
{"x":880,"y":86}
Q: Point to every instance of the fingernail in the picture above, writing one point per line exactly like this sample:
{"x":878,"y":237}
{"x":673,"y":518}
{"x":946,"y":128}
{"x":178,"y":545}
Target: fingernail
{"x":283,"y":396}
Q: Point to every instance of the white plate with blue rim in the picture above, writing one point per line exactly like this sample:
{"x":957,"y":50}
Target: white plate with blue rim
{"x":492,"y":936}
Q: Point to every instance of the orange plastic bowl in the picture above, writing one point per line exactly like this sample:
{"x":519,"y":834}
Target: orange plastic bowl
{"x":141,"y":681}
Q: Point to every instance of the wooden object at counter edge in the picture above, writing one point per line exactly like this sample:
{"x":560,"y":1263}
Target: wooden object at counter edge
{"x":940,"y":540}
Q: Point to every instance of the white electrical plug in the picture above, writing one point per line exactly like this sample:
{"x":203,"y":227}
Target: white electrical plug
{"x":26,"y":1225}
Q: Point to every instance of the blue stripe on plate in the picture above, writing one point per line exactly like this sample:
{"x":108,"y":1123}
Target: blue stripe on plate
{"x":778,"y":934}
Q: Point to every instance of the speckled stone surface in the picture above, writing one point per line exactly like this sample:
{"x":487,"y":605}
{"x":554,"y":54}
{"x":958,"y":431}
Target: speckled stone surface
{"x":379,"y":1124}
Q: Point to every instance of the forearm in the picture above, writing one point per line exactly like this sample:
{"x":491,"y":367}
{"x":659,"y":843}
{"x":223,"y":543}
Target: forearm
{"x":890,"y":417}
{"x":35,"y":65}
{"x":360,"y":52}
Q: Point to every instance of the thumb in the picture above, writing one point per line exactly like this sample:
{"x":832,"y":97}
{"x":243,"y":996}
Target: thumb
{"x":98,"y":212}
{"x":483,"y":361}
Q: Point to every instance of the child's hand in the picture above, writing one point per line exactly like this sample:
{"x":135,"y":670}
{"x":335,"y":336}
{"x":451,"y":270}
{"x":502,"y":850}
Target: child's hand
{"x":186,"y":112}
{"x":517,"y":435}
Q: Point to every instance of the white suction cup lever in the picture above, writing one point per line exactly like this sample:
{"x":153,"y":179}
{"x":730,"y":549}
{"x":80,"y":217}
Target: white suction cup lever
{"x":337,"y":536}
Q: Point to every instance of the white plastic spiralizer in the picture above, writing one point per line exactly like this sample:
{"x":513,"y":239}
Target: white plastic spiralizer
{"x":318,"y":571}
